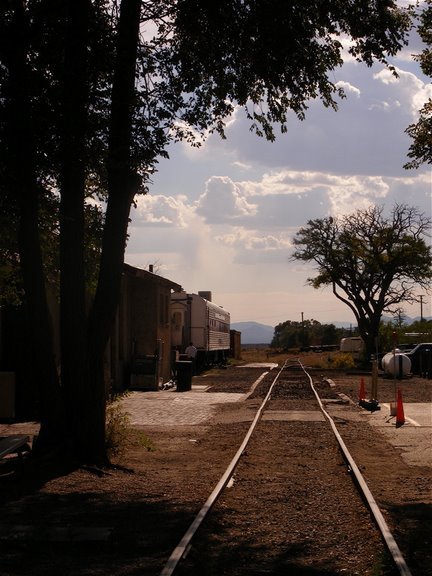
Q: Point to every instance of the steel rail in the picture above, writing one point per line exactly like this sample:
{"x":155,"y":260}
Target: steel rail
{"x":182,"y":547}
{"x":389,"y":540}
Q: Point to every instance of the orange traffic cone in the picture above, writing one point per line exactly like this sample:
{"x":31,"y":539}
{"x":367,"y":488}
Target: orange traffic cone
{"x":400,"y":416}
{"x":362,"y":391}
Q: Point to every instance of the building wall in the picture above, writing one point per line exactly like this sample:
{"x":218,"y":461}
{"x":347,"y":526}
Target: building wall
{"x":142,"y":326}
{"x":235,"y":344}
{"x":142,"y":331}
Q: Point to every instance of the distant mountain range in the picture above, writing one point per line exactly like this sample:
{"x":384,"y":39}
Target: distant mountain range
{"x":255,"y":333}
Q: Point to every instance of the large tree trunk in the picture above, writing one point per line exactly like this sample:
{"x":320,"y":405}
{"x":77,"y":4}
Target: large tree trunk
{"x":22,"y":183}
{"x":368,"y":321}
{"x":73,"y":129}
{"x":122,"y":186}
{"x":369,"y":331}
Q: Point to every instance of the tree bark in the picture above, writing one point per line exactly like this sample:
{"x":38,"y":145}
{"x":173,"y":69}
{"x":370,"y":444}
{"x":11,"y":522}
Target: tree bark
{"x":122,"y":186}
{"x":73,"y":127}
{"x":368,"y":323}
{"x":23,"y":185}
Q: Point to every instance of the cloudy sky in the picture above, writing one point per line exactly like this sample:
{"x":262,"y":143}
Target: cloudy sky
{"x":222,"y":217}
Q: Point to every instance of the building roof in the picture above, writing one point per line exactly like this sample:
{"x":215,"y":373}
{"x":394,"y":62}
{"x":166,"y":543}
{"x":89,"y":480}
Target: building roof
{"x":129,"y":270}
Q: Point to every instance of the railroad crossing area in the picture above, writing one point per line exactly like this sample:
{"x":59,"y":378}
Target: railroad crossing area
{"x":197,"y":406}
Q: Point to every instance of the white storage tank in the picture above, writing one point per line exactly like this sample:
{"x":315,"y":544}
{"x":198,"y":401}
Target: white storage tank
{"x":396,"y":364}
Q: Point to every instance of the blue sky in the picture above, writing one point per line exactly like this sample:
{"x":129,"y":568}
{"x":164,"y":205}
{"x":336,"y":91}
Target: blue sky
{"x":222,"y":217}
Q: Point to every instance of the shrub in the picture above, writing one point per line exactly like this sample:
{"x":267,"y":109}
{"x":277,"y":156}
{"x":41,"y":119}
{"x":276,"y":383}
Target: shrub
{"x":118,"y":431}
{"x":343,"y":360}
{"x":117,"y":428}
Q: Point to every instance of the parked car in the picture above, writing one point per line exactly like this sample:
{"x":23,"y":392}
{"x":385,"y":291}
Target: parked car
{"x":421,"y":359}
{"x":407,"y":347}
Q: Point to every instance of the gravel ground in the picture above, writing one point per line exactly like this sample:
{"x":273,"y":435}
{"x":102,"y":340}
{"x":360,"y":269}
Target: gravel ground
{"x":127,"y":520}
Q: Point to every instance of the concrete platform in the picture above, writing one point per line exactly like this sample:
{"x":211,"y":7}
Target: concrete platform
{"x":414,"y":437}
{"x":170,"y":408}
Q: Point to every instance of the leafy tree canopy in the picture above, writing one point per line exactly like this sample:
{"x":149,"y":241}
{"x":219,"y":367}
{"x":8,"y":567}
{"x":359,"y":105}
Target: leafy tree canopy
{"x":403,"y":333}
{"x":291,"y":334}
{"x":420,"y":150}
{"x":196,"y":62}
{"x":271,"y":57}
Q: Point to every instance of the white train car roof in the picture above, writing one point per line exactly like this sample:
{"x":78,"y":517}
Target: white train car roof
{"x":200,"y":302}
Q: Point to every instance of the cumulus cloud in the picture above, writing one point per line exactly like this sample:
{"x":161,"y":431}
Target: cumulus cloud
{"x":280,"y":182}
{"x":407,"y":87}
{"x":348,"y":88}
{"x":223,"y":201}
{"x":287,"y":197}
{"x":253,"y":247}
{"x":253,"y":240}
{"x":302,"y":183}
{"x":277,"y":201}
{"x":162,"y":211}
{"x":222,"y":217}
{"x":241,"y":165}
{"x":355,"y":194}
{"x":293,"y":182}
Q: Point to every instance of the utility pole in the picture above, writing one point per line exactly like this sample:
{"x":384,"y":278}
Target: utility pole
{"x":421,"y":308}
{"x":302,"y":330}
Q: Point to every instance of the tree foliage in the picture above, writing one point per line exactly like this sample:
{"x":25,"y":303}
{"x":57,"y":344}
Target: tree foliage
{"x":372,"y":263}
{"x":92,"y":93}
{"x":272,"y":57}
{"x":420,"y":150}
{"x":396,"y":332}
{"x":291,"y":334}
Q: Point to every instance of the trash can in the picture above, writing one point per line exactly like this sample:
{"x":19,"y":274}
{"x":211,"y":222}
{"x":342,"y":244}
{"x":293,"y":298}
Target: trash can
{"x":184,"y":375}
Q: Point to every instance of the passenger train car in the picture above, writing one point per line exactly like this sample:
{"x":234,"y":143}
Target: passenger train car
{"x":196,"y":319}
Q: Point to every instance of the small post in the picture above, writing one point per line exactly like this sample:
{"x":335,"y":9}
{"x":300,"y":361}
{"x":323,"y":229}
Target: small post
{"x":394,"y":365}
{"x":374,"y":386}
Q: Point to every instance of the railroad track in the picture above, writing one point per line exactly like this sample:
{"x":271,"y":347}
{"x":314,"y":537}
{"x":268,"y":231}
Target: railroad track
{"x":318,"y":515}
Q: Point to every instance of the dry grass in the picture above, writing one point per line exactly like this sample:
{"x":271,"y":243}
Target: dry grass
{"x":322,"y":360}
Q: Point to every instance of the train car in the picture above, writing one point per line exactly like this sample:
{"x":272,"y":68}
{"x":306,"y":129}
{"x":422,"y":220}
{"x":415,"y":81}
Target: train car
{"x":196,"y":319}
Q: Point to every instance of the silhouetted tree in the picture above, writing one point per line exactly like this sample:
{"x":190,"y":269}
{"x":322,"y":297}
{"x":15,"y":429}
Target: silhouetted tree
{"x":372,"y":263}
{"x":92,"y":93}
{"x":420,"y":150}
